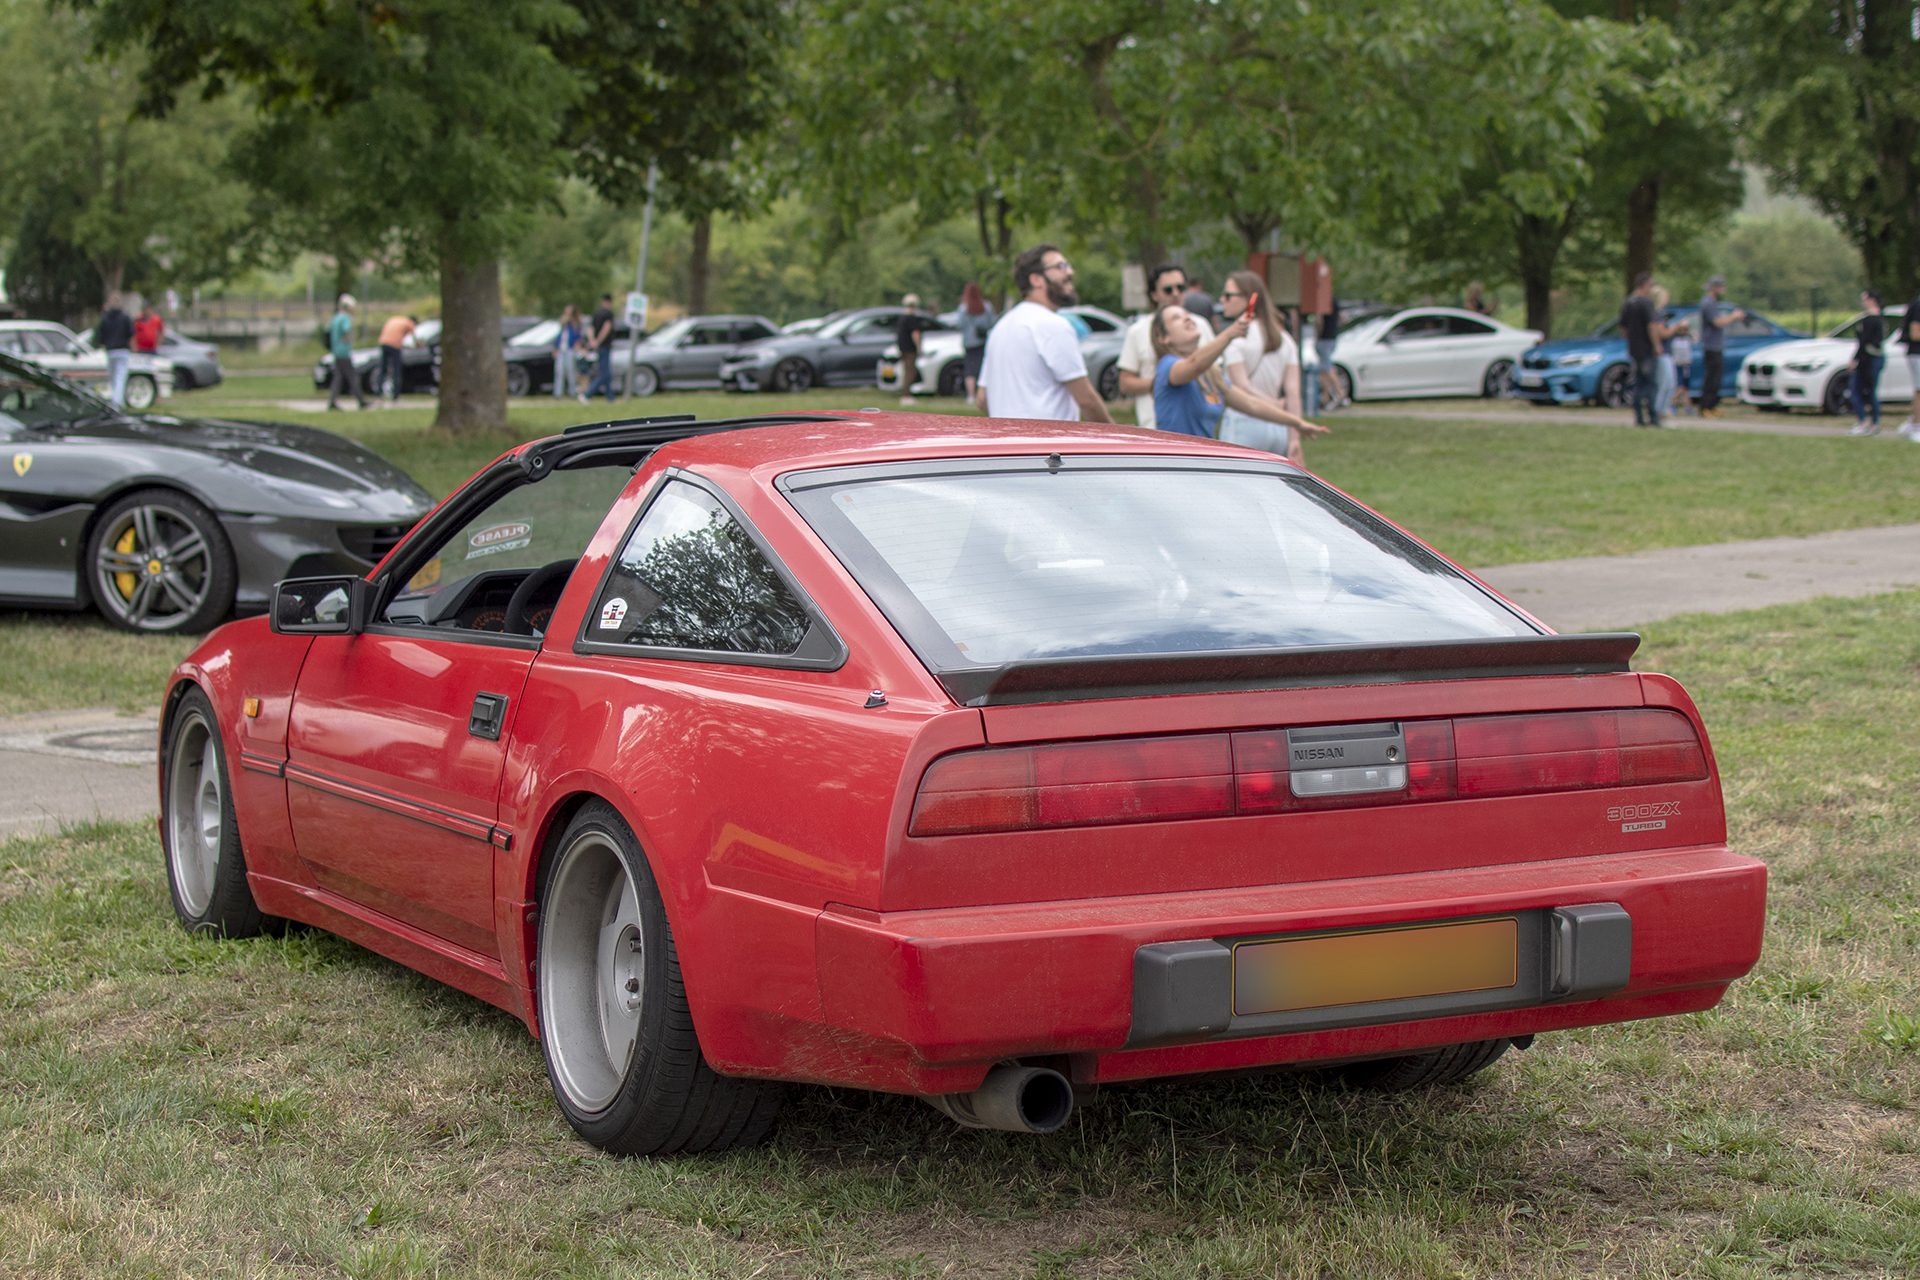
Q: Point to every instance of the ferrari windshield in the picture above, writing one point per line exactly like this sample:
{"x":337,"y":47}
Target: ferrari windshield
{"x":1126,"y":557}
{"x":32,"y":397}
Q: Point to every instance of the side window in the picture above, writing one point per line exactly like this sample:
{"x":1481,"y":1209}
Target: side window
{"x":752,"y":331}
{"x":1467,"y":327}
{"x":1415,"y":328}
{"x":691,"y":577}
{"x":1749,"y":327}
{"x":873,"y":327}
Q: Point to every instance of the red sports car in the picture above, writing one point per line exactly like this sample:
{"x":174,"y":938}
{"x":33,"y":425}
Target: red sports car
{"x":983,"y":761}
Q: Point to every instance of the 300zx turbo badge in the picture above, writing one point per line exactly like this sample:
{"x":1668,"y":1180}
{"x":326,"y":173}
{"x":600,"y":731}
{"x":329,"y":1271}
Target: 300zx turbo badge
{"x":498,"y":538}
{"x":1644,"y":817}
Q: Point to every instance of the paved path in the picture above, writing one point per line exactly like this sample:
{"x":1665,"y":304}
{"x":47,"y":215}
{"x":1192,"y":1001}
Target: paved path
{"x":1768,"y":424}
{"x":68,"y":766}
{"x":1597,"y":592}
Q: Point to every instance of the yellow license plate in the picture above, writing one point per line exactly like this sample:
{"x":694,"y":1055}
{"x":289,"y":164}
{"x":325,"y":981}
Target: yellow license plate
{"x":1375,"y":964}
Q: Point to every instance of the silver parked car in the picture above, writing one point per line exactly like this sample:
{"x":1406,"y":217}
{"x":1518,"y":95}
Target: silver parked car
{"x":56,"y":347}
{"x":195,"y":363}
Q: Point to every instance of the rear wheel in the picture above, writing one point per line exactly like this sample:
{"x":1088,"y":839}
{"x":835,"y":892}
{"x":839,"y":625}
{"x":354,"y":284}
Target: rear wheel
{"x":1344,"y":381}
{"x":206,"y":870}
{"x":643,"y":381}
{"x":158,"y":561}
{"x":1109,"y":387}
{"x":1419,"y":1070}
{"x":1616,"y":387}
{"x":519,"y":382}
{"x":615,"y":1026}
{"x":141,"y":392}
{"x":1498,"y":382}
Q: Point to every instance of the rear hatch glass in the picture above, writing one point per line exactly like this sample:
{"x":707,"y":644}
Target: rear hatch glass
{"x":990,"y":562}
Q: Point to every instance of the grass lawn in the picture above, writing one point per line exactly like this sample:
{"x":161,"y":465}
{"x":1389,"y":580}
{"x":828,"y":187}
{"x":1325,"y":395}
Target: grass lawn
{"x":181,"y":1106}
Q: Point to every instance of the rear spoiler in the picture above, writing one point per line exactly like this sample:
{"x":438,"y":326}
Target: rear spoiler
{"x":1130,"y":675}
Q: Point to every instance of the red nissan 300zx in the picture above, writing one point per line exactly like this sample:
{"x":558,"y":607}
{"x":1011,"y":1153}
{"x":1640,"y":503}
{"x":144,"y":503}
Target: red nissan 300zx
{"x":982,"y":761}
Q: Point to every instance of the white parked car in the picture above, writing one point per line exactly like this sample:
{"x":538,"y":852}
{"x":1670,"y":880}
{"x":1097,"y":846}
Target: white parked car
{"x":1428,"y":351}
{"x":56,"y":347}
{"x":1812,"y":373}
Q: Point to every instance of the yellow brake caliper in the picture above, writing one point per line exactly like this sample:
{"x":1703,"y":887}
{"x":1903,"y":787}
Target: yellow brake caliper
{"x":126,"y":581}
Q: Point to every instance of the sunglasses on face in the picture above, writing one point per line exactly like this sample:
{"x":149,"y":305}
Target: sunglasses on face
{"x":1061,"y":265}
{"x":1171,"y":289}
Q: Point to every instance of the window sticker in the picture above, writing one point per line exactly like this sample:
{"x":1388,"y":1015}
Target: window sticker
{"x":500,"y":537}
{"x":612,"y":612}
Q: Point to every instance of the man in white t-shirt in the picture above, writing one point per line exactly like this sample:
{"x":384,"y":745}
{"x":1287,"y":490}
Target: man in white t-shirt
{"x":1033,"y":366}
{"x":1137,"y":361}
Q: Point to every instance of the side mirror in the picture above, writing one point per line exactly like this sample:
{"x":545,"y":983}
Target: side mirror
{"x":321,"y":606}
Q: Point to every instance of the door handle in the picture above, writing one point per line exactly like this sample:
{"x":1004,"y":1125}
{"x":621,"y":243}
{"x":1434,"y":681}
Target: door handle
{"x":489,"y":714}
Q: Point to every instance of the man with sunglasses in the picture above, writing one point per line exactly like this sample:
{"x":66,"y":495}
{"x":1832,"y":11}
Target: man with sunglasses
{"x":1033,"y":367}
{"x":1165,"y":289}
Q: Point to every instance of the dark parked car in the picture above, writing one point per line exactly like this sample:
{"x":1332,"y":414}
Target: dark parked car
{"x":684,"y":353}
{"x":419,"y":364}
{"x":169,"y":524}
{"x":843,"y":352}
{"x":1596,"y":369}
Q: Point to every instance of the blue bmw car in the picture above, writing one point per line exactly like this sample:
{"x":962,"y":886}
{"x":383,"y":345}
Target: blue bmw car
{"x":1596,"y":370}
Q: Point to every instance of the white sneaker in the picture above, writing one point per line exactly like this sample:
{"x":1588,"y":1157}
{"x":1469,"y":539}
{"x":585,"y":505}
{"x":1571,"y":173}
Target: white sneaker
{"x":1862,"y":429}
{"x":1906,"y":429}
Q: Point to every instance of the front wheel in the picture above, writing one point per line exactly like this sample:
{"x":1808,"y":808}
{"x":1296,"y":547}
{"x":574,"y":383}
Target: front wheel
{"x":643,"y":380}
{"x":1498,"y":382}
{"x":206,"y":870}
{"x":1343,"y":383}
{"x":953,"y":379}
{"x":158,"y":561}
{"x":793,"y":375}
{"x":141,"y":392}
{"x":519,"y":383}
{"x":1109,"y":386}
{"x":1616,"y":387}
{"x":1838,"y":400}
{"x":615,"y":1026}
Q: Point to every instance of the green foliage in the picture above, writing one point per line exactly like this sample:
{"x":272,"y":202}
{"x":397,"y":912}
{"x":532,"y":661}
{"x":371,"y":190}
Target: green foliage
{"x":1898,"y":1031}
{"x":1774,"y":262}
{"x":567,"y":255}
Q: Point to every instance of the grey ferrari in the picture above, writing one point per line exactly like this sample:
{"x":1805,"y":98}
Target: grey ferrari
{"x":169,"y":524}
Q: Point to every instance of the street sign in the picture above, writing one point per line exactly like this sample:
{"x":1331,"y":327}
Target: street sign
{"x":637,"y":310}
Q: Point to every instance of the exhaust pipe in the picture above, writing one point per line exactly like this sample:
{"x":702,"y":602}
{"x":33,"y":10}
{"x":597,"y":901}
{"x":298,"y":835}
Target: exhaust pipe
{"x":1016,"y":1099}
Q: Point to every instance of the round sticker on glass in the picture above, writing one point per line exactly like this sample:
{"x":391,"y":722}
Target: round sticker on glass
{"x":612,"y":612}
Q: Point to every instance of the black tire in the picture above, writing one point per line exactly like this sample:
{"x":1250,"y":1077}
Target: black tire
{"x":953,"y":379}
{"x":644,"y":380}
{"x":183,"y":379}
{"x":1838,"y":398}
{"x":621,"y":1051}
{"x":519,"y":381}
{"x":1497,"y":383}
{"x":141,"y":392}
{"x":157,"y":562}
{"x":206,"y":869}
{"x":792,"y":375}
{"x":1616,"y":387}
{"x":1109,"y":383}
{"x":1448,"y":1065}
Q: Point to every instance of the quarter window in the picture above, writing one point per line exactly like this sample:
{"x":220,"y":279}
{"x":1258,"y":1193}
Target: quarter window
{"x":691,"y":577}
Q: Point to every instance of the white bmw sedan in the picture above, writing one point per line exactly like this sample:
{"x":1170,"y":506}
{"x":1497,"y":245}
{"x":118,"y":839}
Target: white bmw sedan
{"x":1428,"y":351}
{"x":1812,"y":373}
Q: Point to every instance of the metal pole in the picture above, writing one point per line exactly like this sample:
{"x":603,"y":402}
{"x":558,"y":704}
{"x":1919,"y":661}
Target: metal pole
{"x":640,"y":277}
{"x":1813,"y":304}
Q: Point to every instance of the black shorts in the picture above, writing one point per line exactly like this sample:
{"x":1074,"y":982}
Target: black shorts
{"x":972,"y":359}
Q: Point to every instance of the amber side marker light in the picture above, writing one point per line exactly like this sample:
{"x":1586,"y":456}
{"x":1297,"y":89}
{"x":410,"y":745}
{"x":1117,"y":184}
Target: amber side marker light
{"x":252,"y":708}
{"x":1217,"y":775}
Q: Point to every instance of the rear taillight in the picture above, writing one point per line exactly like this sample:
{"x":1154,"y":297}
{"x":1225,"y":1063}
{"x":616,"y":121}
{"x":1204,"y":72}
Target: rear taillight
{"x":1219,"y":775}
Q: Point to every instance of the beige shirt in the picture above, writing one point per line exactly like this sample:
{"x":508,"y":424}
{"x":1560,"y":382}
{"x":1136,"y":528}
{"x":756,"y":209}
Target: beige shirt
{"x":1136,"y":358}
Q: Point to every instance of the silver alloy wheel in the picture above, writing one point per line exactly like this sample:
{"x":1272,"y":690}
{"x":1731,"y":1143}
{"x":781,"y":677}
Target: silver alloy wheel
{"x":519,"y":381}
{"x":1498,"y":384}
{"x":645,"y":380}
{"x":195,"y":809}
{"x":794,"y":375}
{"x":141,"y":392}
{"x":153,"y":567}
{"x":592,"y":972}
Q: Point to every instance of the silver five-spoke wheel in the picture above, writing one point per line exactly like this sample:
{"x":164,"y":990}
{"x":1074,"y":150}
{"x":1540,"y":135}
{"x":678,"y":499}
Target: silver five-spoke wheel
{"x":591,"y":987}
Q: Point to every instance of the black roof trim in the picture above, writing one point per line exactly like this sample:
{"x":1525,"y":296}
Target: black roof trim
{"x":642,"y":435}
{"x":1127,"y":675}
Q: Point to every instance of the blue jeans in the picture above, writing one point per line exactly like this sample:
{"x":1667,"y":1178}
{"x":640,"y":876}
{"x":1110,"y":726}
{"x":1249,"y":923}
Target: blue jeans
{"x":563,"y":379}
{"x":1646,"y":391}
{"x":1663,"y":402}
{"x":1866,"y":374}
{"x":392,"y":370}
{"x":117,"y":361}
{"x":603,"y":374}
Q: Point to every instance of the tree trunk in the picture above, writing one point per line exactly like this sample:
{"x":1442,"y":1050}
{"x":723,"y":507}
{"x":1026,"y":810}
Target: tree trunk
{"x":1643,"y":211}
{"x":999,"y":248}
{"x":1537,"y":244}
{"x":345,"y":267}
{"x":473,"y":376}
{"x":697,"y":268}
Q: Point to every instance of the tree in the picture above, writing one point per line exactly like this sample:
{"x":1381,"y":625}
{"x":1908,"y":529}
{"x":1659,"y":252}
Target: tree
{"x":438,"y":126}
{"x":1829,"y":92}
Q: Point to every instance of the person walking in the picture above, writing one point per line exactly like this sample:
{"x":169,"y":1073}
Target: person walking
{"x":565,"y":375}
{"x":976,"y":321}
{"x":340,"y":343}
{"x":906,"y":332}
{"x":147,"y":328}
{"x":1637,"y":321}
{"x":1266,"y":363}
{"x":1910,"y":330}
{"x":1189,"y":395}
{"x":395,"y":334}
{"x":114,"y":335}
{"x":600,"y":342}
{"x":1326,"y":340}
{"x":1033,"y":367}
{"x":1715,"y":316}
{"x":1166,"y":286}
{"x":1863,"y":380}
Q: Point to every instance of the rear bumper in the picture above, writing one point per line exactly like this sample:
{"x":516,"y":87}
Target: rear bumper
{"x":920,"y":993}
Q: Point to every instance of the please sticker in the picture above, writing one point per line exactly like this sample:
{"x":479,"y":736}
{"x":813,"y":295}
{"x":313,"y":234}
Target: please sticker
{"x":500,"y":537}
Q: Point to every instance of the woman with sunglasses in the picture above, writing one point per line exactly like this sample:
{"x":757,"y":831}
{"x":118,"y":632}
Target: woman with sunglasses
{"x":1266,"y":363}
{"x":1189,"y":395}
